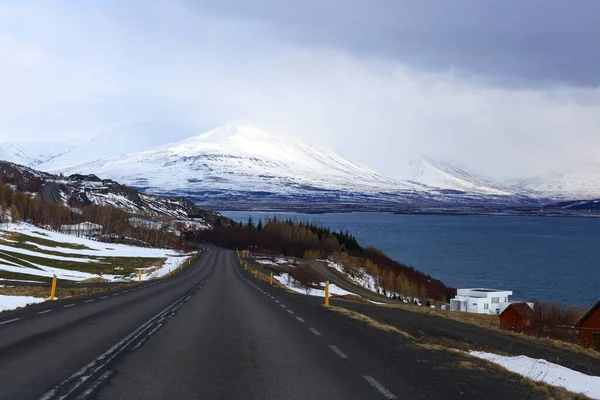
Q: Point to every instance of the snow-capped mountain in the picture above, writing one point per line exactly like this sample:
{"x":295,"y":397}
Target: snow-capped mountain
{"x":581,"y":183}
{"x":32,"y":154}
{"x":237,"y":163}
{"x":448,"y":177}
{"x":122,"y":139}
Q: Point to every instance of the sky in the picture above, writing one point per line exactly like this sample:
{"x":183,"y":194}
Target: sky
{"x":507,"y":89}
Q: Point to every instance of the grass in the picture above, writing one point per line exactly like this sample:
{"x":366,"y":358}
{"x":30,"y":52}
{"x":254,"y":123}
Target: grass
{"x":465,"y":360}
{"x":23,"y":277}
{"x":99,"y":264}
{"x":22,"y":239}
{"x":44,"y":292}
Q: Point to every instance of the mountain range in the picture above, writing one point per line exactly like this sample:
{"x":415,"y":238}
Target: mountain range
{"x":239,"y":165}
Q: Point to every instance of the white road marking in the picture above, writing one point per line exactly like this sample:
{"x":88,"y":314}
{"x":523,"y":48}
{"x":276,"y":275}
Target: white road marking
{"x":300,"y":319}
{"x":316,"y":332}
{"x":282,"y":305}
{"x":290,"y":311}
{"x":380,"y":388}
{"x":277,"y":301}
{"x":69,"y":305}
{"x":116,"y":294}
{"x":89,"y":301}
{"x":338,"y":352}
{"x":44,"y":312}
{"x":103,"y":297}
{"x":9,"y":321}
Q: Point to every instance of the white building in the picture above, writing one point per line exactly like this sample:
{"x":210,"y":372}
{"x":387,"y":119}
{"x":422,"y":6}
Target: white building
{"x":481,"y":301}
{"x":84,"y":229}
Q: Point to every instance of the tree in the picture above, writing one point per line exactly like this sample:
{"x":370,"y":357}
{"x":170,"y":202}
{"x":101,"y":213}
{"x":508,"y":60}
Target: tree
{"x":260,"y":225}
{"x":14,"y":214}
{"x":250,"y":223}
{"x":3,"y":212}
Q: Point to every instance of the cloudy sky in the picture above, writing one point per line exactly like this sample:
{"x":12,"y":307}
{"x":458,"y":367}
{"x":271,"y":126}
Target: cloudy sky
{"x":507,"y":88}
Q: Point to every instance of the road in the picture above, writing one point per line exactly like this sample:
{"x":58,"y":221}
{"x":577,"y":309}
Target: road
{"x":49,"y":192}
{"x":215,"y":332}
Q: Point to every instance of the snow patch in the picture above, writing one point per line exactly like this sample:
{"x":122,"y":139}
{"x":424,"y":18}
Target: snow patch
{"x":544,"y":371}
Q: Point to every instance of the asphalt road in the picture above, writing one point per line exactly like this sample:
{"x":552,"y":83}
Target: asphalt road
{"x":49,"y":192}
{"x":217,"y":333}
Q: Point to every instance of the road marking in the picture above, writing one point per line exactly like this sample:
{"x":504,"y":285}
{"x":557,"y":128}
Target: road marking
{"x":89,"y":301}
{"x":44,"y":312}
{"x":316,"y":332}
{"x":338,"y":352}
{"x":126,"y":291}
{"x":300,"y":319}
{"x":116,"y":294}
{"x":380,"y":388}
{"x":9,"y":321}
{"x":103,"y":297}
{"x":277,"y":301}
{"x":282,"y":305}
{"x":69,"y":305}
{"x":290,"y":311}
{"x":188,"y":298}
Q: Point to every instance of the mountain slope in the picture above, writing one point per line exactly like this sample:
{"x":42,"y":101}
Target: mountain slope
{"x":122,"y":139}
{"x":576,"y":184}
{"x":32,"y":154}
{"x":241,"y":163}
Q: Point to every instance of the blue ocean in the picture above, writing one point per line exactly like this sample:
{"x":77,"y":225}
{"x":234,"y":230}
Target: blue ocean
{"x":535,"y":257}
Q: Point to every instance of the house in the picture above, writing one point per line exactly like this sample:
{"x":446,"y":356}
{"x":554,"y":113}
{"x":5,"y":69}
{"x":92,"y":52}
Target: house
{"x":480,"y":301}
{"x":84,"y":229}
{"x":518,"y":317}
{"x":589,"y":328}
{"x":144,"y":222}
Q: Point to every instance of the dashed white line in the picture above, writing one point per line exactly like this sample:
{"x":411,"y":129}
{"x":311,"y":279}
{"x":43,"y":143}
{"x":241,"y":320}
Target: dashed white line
{"x":282,"y":305}
{"x":89,"y":301}
{"x":314,"y":331}
{"x":277,"y":301}
{"x":69,"y":305}
{"x":290,"y":311}
{"x":300,"y":319}
{"x":103,"y":297}
{"x":116,"y":294}
{"x":380,"y":388}
{"x":338,"y":352}
{"x":44,"y":312}
{"x":9,"y":321}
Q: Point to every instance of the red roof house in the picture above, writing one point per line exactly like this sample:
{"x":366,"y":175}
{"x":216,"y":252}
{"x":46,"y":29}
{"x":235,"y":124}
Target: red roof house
{"x":518,"y":317}
{"x":589,"y":328}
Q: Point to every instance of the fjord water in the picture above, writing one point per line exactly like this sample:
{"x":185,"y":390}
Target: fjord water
{"x":535,"y":257}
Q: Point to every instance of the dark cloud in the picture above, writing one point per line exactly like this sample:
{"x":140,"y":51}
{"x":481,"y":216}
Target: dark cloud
{"x":533,"y":42}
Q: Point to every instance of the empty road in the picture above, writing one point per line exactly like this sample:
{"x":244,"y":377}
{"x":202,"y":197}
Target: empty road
{"x":215,"y":332}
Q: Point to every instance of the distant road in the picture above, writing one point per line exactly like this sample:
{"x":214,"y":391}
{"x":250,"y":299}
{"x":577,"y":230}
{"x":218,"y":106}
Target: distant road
{"x":214,"y":332}
{"x":49,"y":192}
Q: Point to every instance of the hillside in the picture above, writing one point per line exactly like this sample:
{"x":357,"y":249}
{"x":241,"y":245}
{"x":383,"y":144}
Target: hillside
{"x":77,"y":191}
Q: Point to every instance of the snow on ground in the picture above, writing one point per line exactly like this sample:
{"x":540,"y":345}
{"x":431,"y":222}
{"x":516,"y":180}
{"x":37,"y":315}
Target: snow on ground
{"x":294,"y":285}
{"x":92,"y":248}
{"x":265,"y":262}
{"x":542,"y":370}
{"x":13,"y":302}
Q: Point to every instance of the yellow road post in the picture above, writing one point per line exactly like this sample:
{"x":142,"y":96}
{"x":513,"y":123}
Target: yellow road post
{"x":327,"y":293}
{"x":53,"y":289}
{"x":139,"y":276}
{"x":271,"y":279}
{"x":245,"y":267}
{"x":169,"y":272}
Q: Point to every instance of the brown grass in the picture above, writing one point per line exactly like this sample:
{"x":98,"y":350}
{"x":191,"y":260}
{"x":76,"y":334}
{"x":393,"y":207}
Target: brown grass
{"x":466,"y":360}
{"x":44,"y":292}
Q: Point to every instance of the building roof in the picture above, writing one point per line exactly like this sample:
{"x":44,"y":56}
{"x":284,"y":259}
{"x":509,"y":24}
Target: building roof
{"x":523,"y":309}
{"x":587,"y":315}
